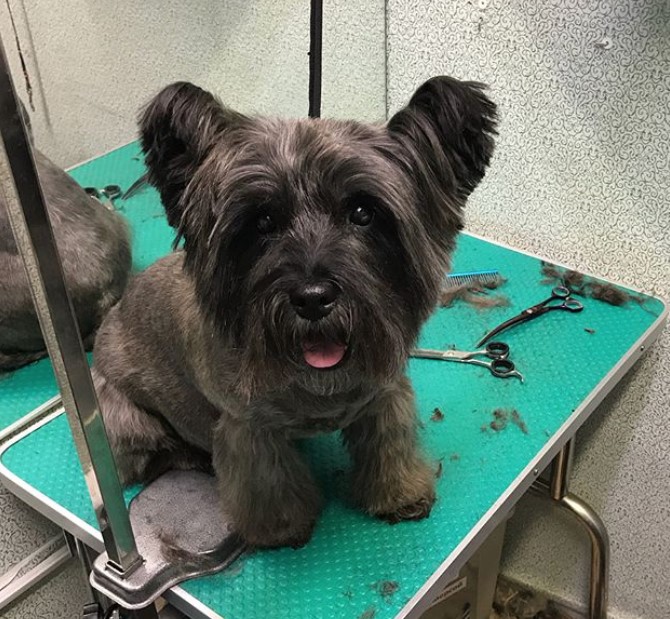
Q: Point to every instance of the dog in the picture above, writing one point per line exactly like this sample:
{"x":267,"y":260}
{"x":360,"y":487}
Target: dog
{"x":94,"y":248}
{"x":313,"y":252}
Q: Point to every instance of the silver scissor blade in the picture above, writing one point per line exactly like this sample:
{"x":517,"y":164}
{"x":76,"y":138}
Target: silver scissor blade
{"x":441,"y":355}
{"x":425,"y":353}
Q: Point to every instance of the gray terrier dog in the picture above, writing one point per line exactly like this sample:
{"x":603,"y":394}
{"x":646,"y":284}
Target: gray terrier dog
{"x":314,"y":250}
{"x":94,"y":247}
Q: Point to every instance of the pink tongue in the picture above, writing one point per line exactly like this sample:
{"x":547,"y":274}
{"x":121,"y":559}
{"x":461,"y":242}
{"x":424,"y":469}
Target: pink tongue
{"x":323,"y":354}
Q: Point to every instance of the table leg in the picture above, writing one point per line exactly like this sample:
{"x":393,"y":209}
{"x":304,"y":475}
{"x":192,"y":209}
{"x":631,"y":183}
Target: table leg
{"x":557,"y":491}
{"x":86,"y":556}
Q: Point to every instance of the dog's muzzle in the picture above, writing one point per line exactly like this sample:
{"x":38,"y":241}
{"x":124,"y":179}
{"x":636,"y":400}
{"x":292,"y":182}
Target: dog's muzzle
{"x":314,"y":301}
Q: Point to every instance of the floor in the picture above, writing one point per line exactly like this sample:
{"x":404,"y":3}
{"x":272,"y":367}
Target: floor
{"x":63,"y":598}
{"x":515,"y":602}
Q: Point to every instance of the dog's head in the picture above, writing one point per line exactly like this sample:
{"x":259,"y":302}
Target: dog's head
{"x":318,"y":247}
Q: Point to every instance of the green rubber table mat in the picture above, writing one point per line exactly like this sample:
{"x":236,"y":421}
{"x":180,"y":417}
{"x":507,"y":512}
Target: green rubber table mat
{"x":355,"y":566}
{"x":24,"y":390}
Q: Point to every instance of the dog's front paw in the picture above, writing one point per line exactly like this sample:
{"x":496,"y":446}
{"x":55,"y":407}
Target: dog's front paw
{"x":405,"y":494}
{"x":278,"y":535}
{"x":414,"y":511}
{"x":269,"y":523}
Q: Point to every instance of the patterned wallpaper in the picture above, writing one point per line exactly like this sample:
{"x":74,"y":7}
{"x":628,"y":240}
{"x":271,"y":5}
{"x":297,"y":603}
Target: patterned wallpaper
{"x":581,"y":175}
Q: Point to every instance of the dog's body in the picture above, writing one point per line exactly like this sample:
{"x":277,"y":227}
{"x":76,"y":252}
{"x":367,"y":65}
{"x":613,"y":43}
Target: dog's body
{"x":313,"y":252}
{"x":94,"y":247}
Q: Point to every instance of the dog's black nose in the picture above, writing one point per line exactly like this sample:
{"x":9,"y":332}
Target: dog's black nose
{"x":314,"y":301}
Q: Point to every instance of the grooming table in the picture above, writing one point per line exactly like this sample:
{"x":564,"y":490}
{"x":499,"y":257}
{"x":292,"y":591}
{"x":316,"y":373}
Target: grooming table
{"x":570,"y":362}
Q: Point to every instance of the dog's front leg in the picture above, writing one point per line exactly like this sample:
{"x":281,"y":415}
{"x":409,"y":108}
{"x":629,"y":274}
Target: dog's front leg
{"x":266,"y":488}
{"x":390,"y":480}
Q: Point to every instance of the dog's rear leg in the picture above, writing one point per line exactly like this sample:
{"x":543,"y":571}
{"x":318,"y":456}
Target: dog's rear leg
{"x":144,"y":445}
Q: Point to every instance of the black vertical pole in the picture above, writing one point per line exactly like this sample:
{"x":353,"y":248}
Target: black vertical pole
{"x":315,"y":39}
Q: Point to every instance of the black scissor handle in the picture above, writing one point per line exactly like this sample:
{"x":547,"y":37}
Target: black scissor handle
{"x":497,"y":350}
{"x":92,"y":191}
{"x":559,"y":295}
{"x":112,"y":191}
{"x":502,"y":367}
{"x":572,"y":305}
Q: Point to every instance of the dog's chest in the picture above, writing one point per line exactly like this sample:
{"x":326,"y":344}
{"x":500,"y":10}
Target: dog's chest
{"x":307,"y":416}
{"x":334,"y":419}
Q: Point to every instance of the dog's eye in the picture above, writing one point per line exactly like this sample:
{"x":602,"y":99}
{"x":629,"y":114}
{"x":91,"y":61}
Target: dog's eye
{"x":265,"y":224}
{"x":361,"y":215}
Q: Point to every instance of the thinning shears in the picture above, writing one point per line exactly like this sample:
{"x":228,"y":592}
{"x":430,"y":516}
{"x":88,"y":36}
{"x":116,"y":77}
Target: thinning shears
{"x":560,"y":299}
{"x":498,"y":353}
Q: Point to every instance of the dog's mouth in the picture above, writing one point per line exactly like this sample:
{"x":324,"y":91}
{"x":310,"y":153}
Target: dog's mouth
{"x":323,"y":354}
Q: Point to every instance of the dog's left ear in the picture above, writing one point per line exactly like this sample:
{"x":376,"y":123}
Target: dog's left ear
{"x":178,"y":129}
{"x":446,"y":138}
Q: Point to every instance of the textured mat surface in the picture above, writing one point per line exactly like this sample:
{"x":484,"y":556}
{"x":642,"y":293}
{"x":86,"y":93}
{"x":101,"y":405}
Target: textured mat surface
{"x":23,"y":391}
{"x":355,"y":566}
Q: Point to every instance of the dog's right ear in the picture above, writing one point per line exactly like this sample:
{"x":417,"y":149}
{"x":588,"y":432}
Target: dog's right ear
{"x":177,"y":131}
{"x":446,"y":138}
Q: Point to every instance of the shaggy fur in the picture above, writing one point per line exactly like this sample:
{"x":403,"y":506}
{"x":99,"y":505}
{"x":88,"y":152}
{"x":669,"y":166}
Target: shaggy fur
{"x":298,"y":235}
{"x":94,"y":248}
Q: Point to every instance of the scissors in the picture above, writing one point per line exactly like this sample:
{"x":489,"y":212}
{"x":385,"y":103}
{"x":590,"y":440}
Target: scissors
{"x":136,"y":186}
{"x":106,"y":195}
{"x":500,"y":365}
{"x":560,"y":299}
